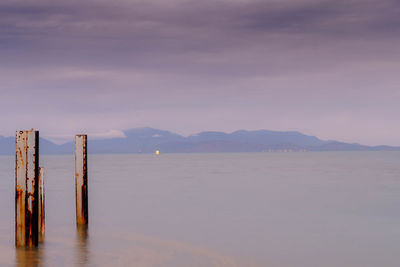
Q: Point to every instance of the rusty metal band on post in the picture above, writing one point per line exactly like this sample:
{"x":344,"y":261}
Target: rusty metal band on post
{"x":41,"y":205}
{"x":81,"y":179}
{"x":26,"y":188}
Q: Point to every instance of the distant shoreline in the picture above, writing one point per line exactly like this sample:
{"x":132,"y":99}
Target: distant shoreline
{"x":148,"y":140}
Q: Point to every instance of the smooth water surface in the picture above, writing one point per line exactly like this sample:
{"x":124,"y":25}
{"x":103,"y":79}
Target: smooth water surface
{"x":247,"y":209}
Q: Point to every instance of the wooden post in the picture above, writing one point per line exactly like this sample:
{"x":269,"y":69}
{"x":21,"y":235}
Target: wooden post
{"x":26,"y":188}
{"x":81,"y":179}
{"x":41,"y":205}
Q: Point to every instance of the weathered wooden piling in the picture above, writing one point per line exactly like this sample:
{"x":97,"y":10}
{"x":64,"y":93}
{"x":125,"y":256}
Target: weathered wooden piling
{"x":41,"y":205}
{"x":26,"y":188}
{"x":81,"y":179}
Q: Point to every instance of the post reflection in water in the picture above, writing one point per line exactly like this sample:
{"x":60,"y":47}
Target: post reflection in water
{"x":29,"y":257}
{"x":82,"y":255}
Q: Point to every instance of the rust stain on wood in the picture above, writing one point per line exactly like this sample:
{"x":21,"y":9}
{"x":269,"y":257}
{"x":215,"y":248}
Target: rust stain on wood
{"x":26,"y":188}
{"x":41,"y":215}
{"x":81,"y":179}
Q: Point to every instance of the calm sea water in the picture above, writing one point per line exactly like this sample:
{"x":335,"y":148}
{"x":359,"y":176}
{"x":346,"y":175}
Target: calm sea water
{"x":249,"y":209}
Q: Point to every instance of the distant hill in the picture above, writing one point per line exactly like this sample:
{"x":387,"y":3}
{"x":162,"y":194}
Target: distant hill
{"x":147,"y":140}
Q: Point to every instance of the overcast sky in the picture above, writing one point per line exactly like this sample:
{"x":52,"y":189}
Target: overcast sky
{"x":322,"y":67}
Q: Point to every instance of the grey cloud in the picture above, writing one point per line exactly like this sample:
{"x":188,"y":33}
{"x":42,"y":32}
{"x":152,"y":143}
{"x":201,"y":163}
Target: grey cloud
{"x":204,"y":37}
{"x":288,"y":64}
{"x":147,"y":35}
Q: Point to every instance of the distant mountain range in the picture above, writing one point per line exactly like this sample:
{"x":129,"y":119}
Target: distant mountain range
{"x":148,"y":140}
